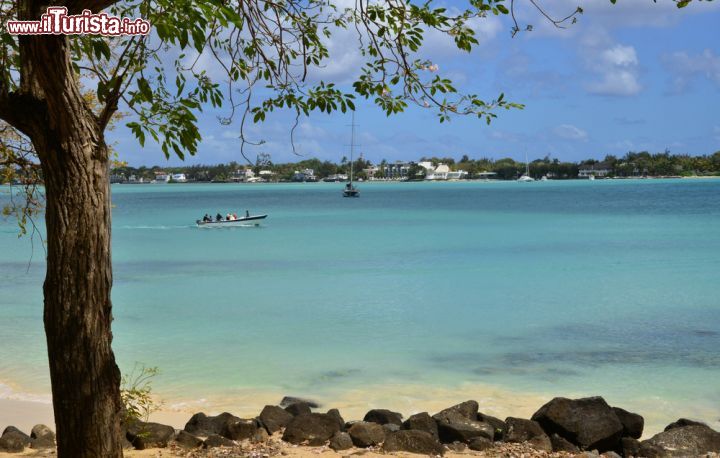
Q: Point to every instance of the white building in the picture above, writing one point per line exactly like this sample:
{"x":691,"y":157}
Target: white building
{"x":305,"y":175}
{"x":457,"y":175}
{"x":435,"y":173}
{"x":179,"y":178}
{"x":266,"y":175}
{"x":243,"y":175}
{"x":599,"y":169}
{"x":162,"y":177}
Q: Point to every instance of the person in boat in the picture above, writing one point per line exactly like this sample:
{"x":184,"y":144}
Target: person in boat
{"x":218,"y":217}
{"x":247,"y":213}
{"x":235,"y":216}
{"x":206,"y":218}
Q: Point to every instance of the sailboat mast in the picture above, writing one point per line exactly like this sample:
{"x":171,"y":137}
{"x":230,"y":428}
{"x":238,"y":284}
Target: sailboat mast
{"x":352,"y":145}
{"x":527,"y":165}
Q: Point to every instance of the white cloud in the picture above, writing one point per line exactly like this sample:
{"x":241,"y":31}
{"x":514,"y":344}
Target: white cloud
{"x":685,"y":68}
{"x":570,"y":132}
{"x":615,"y":67}
{"x":346,"y":60}
{"x":620,"y":56}
{"x":616,"y":82}
{"x":440,"y":45}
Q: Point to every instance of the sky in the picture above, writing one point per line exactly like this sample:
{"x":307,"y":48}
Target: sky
{"x":637,"y":76}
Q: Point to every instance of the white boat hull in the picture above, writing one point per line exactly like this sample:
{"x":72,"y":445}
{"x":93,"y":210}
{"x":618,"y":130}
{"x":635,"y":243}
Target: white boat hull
{"x":253,"y":220}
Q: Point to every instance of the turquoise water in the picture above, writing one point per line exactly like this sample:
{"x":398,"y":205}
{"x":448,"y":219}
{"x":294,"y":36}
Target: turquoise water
{"x":554,"y":288}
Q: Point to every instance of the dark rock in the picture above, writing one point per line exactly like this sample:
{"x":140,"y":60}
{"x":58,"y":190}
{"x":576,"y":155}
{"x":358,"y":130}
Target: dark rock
{"x":629,"y":446}
{"x":335,"y":413}
{"x":299,"y":408}
{"x":240,"y":429}
{"x":348,"y":425}
{"x":149,"y":435}
{"x":541,"y":443}
{"x":312,"y":428}
{"x":559,"y":444}
{"x":468,"y":409}
{"x":683,"y":422}
{"x":126,"y":444}
{"x":198,"y":424}
{"x":496,"y":423}
{"x":383,"y":416}
{"x":289,"y":400}
{"x":633,"y":423}
{"x":274,"y":418}
{"x":341,"y":441}
{"x":589,"y":423}
{"x":42,"y":443}
{"x":202,"y":425}
{"x":422,"y":422}
{"x":413,"y":441}
{"x":391,"y":428}
{"x":14,"y":441}
{"x":685,"y":441}
{"x":457,"y":447}
{"x":521,"y":430}
{"x":187,"y":440}
{"x":216,"y":440}
{"x":479,"y":444}
{"x":12,"y":429}
{"x":454,"y":426}
{"x":366,"y":434}
{"x":647,"y":450}
{"x":42,"y":437}
{"x":39,"y":431}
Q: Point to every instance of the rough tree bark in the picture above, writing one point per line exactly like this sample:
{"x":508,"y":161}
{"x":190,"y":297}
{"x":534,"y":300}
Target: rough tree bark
{"x":69,"y":141}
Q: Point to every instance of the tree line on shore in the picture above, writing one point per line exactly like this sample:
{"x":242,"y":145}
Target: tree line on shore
{"x":632,"y":164}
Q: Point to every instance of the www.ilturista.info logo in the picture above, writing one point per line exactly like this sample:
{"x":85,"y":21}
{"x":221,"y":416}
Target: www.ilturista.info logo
{"x":57,"y":22}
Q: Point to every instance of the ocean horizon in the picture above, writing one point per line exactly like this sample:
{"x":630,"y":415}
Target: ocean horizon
{"x":415,"y":293}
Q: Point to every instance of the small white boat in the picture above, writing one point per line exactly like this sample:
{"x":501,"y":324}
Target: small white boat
{"x":526,"y":178}
{"x":591,"y":177}
{"x":252,"y":220}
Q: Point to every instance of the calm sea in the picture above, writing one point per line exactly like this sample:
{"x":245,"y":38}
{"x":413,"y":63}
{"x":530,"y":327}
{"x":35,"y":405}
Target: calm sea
{"x":553,"y":288}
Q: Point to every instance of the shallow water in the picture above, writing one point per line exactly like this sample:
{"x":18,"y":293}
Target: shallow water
{"x":553,"y":288}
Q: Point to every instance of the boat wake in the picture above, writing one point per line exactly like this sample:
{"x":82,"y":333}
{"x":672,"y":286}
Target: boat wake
{"x":157,"y":228}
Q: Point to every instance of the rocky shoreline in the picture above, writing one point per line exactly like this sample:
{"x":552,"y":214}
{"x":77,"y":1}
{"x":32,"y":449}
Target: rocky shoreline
{"x":561,"y":428}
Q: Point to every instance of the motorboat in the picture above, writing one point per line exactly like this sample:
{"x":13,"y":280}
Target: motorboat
{"x":250,"y":220}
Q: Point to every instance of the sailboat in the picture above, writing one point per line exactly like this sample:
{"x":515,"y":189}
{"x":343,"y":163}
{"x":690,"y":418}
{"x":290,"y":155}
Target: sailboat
{"x":350,"y":190}
{"x":526,"y":178}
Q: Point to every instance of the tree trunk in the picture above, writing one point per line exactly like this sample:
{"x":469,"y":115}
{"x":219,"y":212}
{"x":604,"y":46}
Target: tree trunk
{"x":85,"y":379}
{"x":74,"y":159}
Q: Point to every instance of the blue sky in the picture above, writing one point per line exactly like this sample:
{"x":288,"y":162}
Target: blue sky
{"x":631,"y":77}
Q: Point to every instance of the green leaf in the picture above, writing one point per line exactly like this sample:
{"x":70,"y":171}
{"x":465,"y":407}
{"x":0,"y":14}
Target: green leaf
{"x":145,"y":90}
